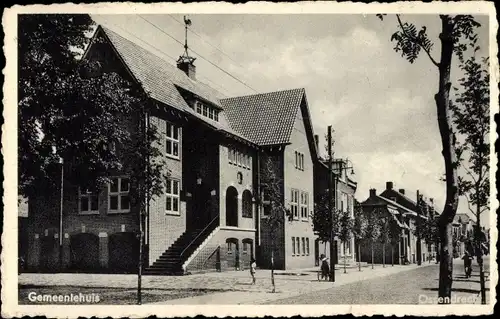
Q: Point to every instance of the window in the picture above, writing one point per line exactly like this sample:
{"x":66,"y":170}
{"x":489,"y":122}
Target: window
{"x":211,"y":113}
{"x":231,"y":246}
{"x":172,"y":197}
{"x":293,"y":245}
{"x":89,"y":202}
{"x":247,"y":204}
{"x":205,"y":110}
{"x":118,"y":197}
{"x":245,"y":247}
{"x":299,"y":161}
{"x":304,"y":205}
{"x":303,"y":245}
{"x":231,"y":155}
{"x":307,"y":246}
{"x":216,"y":115}
{"x":297,"y":240}
{"x":294,"y":204}
{"x":172,"y":143}
{"x":198,"y":107}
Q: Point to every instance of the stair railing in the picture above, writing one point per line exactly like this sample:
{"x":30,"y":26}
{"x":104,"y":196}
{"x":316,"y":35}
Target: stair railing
{"x":201,"y":233}
{"x":210,"y":256}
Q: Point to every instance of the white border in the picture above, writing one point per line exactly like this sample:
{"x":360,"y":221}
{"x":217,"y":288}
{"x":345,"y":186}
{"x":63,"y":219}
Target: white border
{"x":9,"y":145}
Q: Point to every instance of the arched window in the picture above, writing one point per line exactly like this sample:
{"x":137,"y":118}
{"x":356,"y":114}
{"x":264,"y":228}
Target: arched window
{"x":246,"y":202}
{"x":231,"y":207}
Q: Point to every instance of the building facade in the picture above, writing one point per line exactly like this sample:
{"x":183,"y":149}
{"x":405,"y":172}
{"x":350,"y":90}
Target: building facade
{"x":210,"y":216}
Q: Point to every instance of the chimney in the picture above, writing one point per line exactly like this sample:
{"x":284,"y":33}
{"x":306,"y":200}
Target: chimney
{"x":402,"y":191}
{"x":373,"y":192}
{"x":316,"y":140}
{"x":187,"y":67}
{"x":389,"y":185}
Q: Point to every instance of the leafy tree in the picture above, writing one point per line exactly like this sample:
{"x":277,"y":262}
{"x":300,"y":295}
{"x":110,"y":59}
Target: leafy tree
{"x":456,"y":32}
{"x":322,"y":219}
{"x":384,"y":225}
{"x":372,"y":229}
{"x":72,"y":109}
{"x":345,"y":231}
{"x":394,"y":237}
{"x":272,"y":186}
{"x":359,"y":230}
{"x":471,"y":110}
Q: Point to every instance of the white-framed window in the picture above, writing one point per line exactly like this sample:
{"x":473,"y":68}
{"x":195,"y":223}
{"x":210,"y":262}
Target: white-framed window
{"x":211,"y":113}
{"x":205,"y":110}
{"x":231,"y":155}
{"x":88,"y":202}
{"x":216,"y":115}
{"x":118,"y":195}
{"x":299,"y":161}
{"x":297,"y":241}
{"x":172,"y":201}
{"x":303,"y":246}
{"x":199,"y":107}
{"x":172,"y":140}
{"x":293,"y":246}
{"x":307,"y":245}
{"x":294,"y":204}
{"x":304,"y":205}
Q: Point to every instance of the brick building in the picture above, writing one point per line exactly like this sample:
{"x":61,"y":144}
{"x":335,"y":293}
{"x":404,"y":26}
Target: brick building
{"x":397,"y":206}
{"x":210,"y":215}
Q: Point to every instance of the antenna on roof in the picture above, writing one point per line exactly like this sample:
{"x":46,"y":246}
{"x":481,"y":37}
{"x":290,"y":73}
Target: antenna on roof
{"x":185,"y":57}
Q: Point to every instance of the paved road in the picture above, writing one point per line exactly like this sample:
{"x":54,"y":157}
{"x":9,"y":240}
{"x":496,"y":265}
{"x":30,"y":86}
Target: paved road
{"x":401,"y":288}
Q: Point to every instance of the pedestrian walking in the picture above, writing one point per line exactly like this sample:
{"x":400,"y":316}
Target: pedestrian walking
{"x":467,"y":257}
{"x":325,"y":268}
{"x":253,"y":267}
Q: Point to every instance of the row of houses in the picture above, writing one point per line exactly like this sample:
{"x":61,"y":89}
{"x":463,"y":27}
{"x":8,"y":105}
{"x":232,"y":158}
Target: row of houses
{"x":213,"y":214}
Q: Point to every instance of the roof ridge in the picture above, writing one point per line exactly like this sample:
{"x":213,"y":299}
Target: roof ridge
{"x":265,"y":93}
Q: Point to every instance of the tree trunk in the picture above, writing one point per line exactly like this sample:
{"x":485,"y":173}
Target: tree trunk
{"x":450,"y":159}
{"x":479,"y":250}
{"x":383,"y":255}
{"x":345,"y":259}
{"x":139,"y":271}
{"x":272,"y":270}
{"x":359,"y":256}
{"x":372,"y":254}
{"x":392,"y":254}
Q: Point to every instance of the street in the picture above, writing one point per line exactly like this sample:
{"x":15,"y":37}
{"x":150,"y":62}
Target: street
{"x":401,"y":288}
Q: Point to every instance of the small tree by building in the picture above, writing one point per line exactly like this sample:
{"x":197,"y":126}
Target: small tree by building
{"x":322,"y":218}
{"x":394,"y":236}
{"x":372,"y":230}
{"x":272,"y":186}
{"x":359,"y":230}
{"x":345,"y":232}
{"x":384,"y":235}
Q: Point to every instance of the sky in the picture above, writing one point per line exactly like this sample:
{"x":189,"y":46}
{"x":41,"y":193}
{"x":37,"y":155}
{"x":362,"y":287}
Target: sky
{"x":380,"y":106}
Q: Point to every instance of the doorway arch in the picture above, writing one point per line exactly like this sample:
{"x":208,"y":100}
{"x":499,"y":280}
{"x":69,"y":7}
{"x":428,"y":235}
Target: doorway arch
{"x":231,"y":207}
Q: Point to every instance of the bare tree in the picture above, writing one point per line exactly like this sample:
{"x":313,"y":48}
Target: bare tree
{"x":359,"y":230}
{"x":345,"y":232}
{"x":456,"y":32}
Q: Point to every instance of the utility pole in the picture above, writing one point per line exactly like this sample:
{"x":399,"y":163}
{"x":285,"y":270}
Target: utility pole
{"x":420,"y":203}
{"x":330,"y":204}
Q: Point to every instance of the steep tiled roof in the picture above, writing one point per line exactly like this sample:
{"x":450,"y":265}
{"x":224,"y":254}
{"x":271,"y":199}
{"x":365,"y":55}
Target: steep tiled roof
{"x":265,"y":119}
{"x":161,"y":80}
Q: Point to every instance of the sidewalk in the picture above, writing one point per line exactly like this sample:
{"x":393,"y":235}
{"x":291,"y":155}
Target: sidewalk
{"x":292,"y":286}
{"x":232,"y":287}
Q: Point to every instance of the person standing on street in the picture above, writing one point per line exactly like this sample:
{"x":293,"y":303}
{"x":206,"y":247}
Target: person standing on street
{"x":253,"y":267}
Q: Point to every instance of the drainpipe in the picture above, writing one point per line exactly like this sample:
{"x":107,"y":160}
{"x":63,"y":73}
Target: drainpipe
{"x":259,"y":203}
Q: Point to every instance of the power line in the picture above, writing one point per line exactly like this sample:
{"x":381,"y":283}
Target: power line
{"x":163,"y":52}
{"x":213,"y":64}
{"x":206,"y":41}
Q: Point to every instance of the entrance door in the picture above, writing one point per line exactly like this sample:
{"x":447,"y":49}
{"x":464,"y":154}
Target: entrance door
{"x":201,"y":208}
{"x":232,"y":207}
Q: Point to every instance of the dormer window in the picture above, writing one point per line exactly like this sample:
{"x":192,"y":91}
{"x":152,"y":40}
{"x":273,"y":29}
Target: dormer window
{"x":207,"y":111}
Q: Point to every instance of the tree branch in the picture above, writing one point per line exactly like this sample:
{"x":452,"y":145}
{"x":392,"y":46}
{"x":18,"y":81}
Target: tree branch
{"x":415,"y":40}
{"x":470,"y":174}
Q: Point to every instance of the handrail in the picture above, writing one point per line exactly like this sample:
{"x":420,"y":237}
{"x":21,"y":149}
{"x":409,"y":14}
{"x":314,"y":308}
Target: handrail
{"x":201,"y":232}
{"x":210,"y":256}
